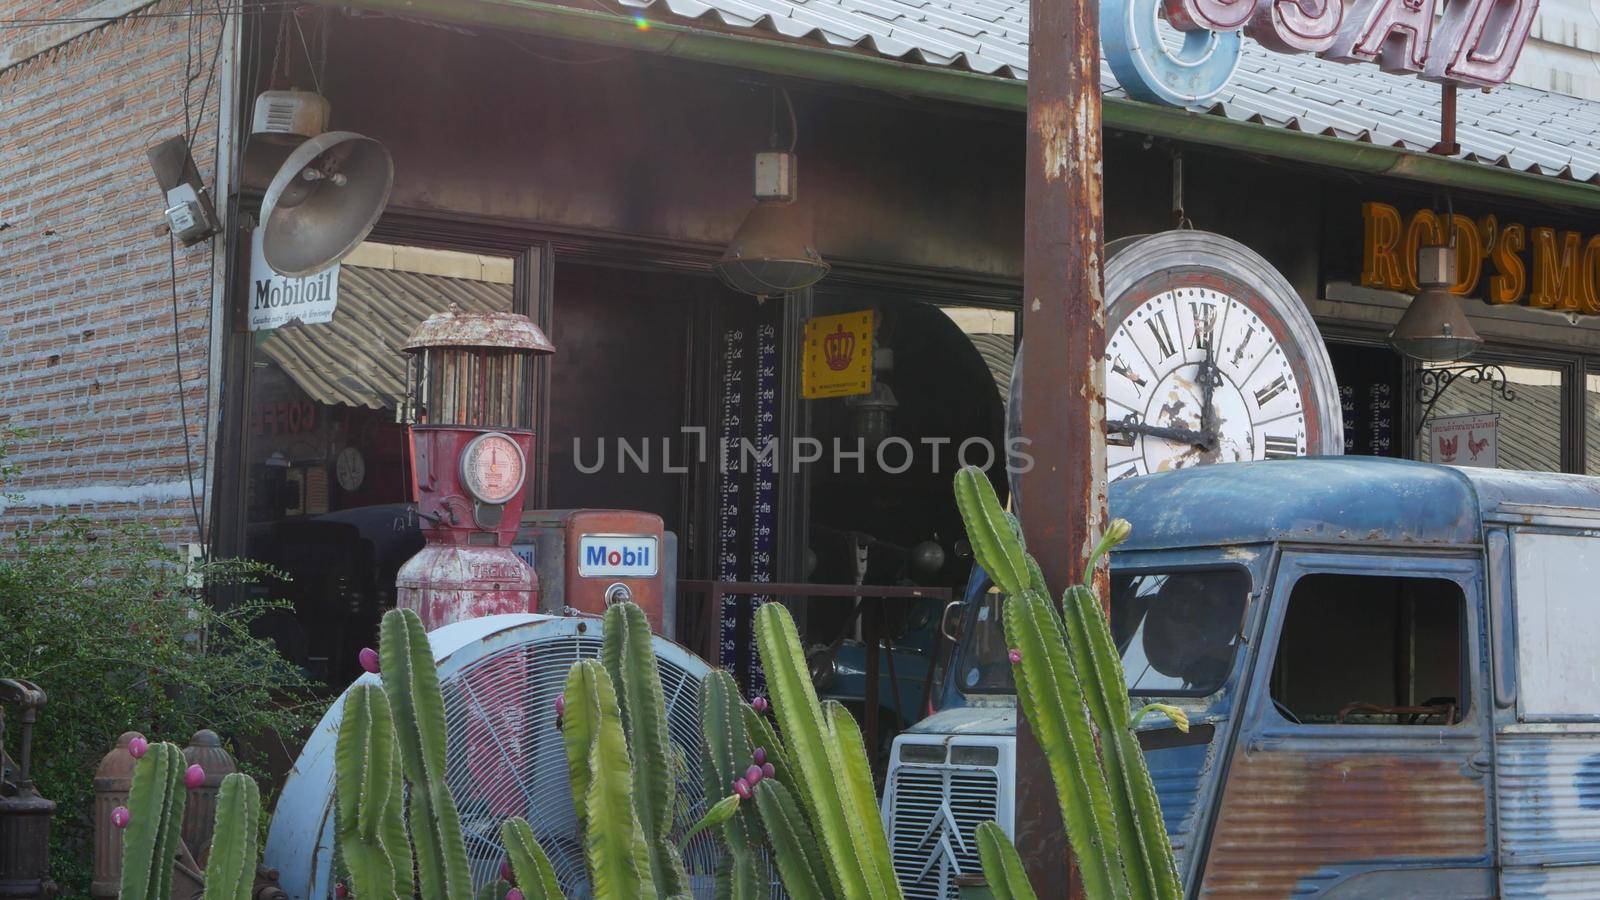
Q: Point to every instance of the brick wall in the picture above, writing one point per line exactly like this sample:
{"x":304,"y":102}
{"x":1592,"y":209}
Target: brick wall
{"x":86,"y":318}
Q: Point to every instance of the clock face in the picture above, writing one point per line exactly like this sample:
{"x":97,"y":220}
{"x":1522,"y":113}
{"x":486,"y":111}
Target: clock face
{"x":492,"y":468}
{"x":351,"y":469}
{"x":1210,"y":357}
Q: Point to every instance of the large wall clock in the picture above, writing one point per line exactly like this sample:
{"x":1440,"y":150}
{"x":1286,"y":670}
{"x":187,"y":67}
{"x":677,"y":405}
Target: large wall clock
{"x":1210,"y":357}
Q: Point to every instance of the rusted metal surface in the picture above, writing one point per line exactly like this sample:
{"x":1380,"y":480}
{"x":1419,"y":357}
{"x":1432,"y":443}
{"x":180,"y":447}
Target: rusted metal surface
{"x":1295,"y":820}
{"x":502,"y":330}
{"x":1063,"y":373}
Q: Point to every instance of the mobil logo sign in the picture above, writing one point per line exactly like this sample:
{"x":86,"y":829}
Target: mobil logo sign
{"x":618,"y":555}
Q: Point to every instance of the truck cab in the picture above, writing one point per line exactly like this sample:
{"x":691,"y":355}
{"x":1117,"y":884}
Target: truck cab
{"x":1391,"y":670}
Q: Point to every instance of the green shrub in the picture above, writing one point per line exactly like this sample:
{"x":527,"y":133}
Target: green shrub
{"x":108,"y":623}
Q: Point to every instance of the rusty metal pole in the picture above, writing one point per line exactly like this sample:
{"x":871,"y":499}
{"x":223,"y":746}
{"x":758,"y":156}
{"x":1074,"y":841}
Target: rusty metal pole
{"x":1063,"y":402}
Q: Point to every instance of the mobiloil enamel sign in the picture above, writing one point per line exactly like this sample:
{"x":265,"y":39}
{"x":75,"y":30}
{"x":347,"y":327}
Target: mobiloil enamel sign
{"x":618,"y":555}
{"x":1474,"y":43}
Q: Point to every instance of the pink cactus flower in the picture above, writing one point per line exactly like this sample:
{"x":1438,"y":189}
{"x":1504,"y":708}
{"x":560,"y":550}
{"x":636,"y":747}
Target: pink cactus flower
{"x":340,"y":890}
{"x":513,"y":894}
{"x":753,"y":774}
{"x":507,"y":874}
{"x":767,"y":771}
{"x":1015,"y":656}
{"x":760,"y":756}
{"x":120,"y":817}
{"x":742,"y":788}
{"x":137,"y":747}
{"x":368,"y":658}
{"x":759,"y":704}
{"x":194,"y":776}
{"x":561,"y":705}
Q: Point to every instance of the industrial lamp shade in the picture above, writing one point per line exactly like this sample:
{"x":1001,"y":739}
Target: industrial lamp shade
{"x":1435,"y":327}
{"x":772,"y":253}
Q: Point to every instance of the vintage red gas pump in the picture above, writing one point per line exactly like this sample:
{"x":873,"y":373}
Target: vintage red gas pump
{"x":470,"y":389}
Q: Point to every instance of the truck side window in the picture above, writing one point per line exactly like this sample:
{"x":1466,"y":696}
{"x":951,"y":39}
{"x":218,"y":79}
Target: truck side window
{"x":1372,"y":650}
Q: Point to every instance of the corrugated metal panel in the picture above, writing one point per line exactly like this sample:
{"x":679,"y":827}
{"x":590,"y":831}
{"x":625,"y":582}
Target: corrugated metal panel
{"x":1577,"y":882}
{"x":1549,"y":799}
{"x":356,"y":359}
{"x":1295,"y":821}
{"x":1513,"y":126}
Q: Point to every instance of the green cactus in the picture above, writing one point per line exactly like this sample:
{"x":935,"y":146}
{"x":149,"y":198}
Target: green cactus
{"x":793,"y":843}
{"x":825,"y":747}
{"x":412,"y":684}
{"x":727,"y":755}
{"x":629,"y":657}
{"x":370,"y":825}
{"x":231,"y":864}
{"x":1002,"y":867}
{"x":532,"y":868}
{"x":155,"y":806}
{"x":614,"y":842}
{"x":1070,"y":685}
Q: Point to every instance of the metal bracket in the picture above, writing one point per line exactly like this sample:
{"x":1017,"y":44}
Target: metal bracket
{"x":1432,"y":384}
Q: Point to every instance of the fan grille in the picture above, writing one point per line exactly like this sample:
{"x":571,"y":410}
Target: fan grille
{"x":506,"y":757}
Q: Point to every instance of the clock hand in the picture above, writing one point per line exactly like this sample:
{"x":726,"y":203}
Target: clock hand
{"x":1181,"y":435}
{"x":1209,"y":376}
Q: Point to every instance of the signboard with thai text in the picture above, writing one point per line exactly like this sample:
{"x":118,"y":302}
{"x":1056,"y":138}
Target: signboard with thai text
{"x":1498,"y":262}
{"x":276,"y":300}
{"x":1468,"y":440}
{"x":837,"y":361}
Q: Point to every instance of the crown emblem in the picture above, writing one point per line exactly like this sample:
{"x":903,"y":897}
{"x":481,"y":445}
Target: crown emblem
{"x":838,"y":347}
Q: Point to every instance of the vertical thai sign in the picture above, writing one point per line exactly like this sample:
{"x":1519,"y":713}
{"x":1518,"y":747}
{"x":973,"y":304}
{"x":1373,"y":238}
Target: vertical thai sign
{"x":729,"y":431}
{"x":761,"y":517}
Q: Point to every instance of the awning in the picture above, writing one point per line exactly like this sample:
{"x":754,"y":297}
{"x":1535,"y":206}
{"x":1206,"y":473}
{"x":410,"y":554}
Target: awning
{"x":1516,"y":141}
{"x":357,"y":360}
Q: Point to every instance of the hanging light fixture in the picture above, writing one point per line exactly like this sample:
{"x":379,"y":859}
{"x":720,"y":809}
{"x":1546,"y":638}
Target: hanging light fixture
{"x":774,"y":250}
{"x":1435,"y":327}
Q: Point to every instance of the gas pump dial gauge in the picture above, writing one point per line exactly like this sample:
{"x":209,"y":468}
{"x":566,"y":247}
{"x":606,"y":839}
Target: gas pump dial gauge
{"x":492,"y":468}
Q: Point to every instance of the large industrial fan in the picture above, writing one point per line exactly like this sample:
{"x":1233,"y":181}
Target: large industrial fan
{"x":500,"y":676}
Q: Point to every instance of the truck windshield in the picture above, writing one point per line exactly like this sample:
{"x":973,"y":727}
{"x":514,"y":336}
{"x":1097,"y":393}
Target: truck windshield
{"x":1177,"y":632}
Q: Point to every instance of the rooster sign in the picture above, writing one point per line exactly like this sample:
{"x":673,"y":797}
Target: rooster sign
{"x":1468,"y":440}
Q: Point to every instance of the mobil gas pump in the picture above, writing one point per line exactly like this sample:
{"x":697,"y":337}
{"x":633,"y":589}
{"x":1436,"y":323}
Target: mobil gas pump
{"x":470,"y":389}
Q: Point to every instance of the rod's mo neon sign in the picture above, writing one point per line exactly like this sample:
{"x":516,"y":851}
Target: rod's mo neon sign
{"x":1476,"y":43}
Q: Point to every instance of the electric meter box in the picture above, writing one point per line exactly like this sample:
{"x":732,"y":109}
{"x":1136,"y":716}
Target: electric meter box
{"x":588,"y":559}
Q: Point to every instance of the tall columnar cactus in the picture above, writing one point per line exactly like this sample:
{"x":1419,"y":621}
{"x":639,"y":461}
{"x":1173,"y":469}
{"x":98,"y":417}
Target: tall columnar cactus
{"x":370,"y":823}
{"x":412,"y":685}
{"x":155,"y":818}
{"x":629,"y":657}
{"x":614,"y":842}
{"x":231,"y":864}
{"x":724,"y":730}
{"x":535,"y":875}
{"x":1002,"y":867}
{"x":1070,"y":685}
{"x":835,"y":781}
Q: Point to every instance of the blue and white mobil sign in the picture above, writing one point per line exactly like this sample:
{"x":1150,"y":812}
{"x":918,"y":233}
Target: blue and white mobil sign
{"x":618,"y":555}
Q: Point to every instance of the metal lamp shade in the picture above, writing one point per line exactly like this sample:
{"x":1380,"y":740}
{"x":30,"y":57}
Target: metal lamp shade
{"x":1435,"y":328}
{"x":772,"y":254}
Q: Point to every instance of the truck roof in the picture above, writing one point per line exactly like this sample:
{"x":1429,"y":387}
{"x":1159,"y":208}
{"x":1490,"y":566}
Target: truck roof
{"x":1343,"y":499}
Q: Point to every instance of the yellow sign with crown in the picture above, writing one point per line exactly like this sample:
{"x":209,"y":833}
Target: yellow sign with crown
{"x":838,"y":356}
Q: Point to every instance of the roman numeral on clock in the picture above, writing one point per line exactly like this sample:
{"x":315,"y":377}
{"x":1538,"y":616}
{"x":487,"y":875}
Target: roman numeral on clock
{"x":1163,"y":334}
{"x":1129,"y":472}
{"x":1205,"y":322}
{"x":1120,"y":366}
{"x":1265,"y":395}
{"x":1277,"y":447}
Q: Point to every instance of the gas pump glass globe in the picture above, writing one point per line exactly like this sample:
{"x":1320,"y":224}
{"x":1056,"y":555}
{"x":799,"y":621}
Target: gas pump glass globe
{"x":492,"y":468}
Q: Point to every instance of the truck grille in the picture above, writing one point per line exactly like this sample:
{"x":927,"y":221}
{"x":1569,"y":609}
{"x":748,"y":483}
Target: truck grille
{"x":934,"y":814}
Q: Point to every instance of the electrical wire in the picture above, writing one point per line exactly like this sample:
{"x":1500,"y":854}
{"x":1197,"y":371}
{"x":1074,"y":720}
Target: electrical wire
{"x":256,"y":8}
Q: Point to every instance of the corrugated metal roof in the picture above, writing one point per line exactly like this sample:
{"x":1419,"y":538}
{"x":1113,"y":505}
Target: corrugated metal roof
{"x":356,"y":359}
{"x":1514,"y":127}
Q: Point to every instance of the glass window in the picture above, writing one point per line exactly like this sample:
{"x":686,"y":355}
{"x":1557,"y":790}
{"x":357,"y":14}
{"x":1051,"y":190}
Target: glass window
{"x":1177,"y":632}
{"x":325,"y":458}
{"x":1372,"y":650}
{"x":1591,"y":423}
{"x":1558,"y":624}
{"x":1528,"y":434}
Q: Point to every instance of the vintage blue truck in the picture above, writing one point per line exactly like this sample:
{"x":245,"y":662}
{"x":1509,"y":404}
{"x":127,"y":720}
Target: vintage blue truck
{"x":1392,"y":670}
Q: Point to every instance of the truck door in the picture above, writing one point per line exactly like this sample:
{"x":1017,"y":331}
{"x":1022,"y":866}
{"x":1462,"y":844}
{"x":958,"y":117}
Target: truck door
{"x":1547,"y":729}
{"x":1360,"y":769}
